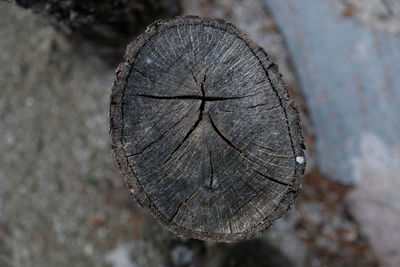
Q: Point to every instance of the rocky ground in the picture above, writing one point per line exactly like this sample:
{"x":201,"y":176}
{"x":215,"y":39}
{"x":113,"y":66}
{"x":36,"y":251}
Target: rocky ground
{"x":62,"y":199}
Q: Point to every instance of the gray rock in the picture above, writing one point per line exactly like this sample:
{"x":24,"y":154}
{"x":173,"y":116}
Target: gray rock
{"x":182,"y":255}
{"x":375,"y":203}
{"x":348,"y":74}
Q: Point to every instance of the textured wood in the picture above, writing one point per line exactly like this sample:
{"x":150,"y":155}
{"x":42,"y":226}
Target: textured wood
{"x":203,"y":130}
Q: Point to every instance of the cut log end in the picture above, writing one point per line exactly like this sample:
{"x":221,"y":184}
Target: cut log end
{"x":204,"y":131}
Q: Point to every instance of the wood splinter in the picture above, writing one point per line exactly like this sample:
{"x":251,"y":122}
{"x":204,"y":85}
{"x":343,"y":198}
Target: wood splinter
{"x":203,"y":130}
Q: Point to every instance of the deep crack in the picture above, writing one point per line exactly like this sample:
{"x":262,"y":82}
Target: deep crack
{"x":201,"y":110}
{"x":243,"y":154}
{"x":198,"y":97}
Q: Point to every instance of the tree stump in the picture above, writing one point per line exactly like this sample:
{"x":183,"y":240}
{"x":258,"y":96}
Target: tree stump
{"x":203,"y":130}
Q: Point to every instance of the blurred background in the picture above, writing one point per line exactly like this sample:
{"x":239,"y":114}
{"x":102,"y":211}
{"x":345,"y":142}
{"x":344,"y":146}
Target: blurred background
{"x":63,"y":201}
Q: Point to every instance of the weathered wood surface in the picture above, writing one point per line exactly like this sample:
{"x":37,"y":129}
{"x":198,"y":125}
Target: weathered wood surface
{"x":349,"y":77}
{"x":203,"y":130}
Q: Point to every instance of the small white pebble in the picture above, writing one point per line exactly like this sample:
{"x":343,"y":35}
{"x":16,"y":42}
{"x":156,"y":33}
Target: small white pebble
{"x":149,"y":61}
{"x":300,"y":160}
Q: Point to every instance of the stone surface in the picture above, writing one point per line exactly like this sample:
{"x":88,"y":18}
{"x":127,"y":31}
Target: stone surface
{"x":57,"y":178}
{"x":348,"y":74}
{"x":375,"y":203}
{"x":381,"y":15}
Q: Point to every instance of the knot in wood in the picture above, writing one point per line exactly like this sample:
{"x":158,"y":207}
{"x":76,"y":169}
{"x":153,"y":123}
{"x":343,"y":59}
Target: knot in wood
{"x":203,"y":130}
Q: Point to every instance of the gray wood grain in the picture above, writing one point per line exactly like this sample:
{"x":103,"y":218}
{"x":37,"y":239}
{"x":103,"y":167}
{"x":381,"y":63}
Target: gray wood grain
{"x":203,"y":130}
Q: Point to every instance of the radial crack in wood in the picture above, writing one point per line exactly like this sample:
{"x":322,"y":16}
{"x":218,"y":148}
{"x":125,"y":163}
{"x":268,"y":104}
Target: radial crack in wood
{"x":203,"y":130}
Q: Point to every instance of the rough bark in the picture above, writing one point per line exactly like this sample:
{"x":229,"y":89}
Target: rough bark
{"x":204,"y":131}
